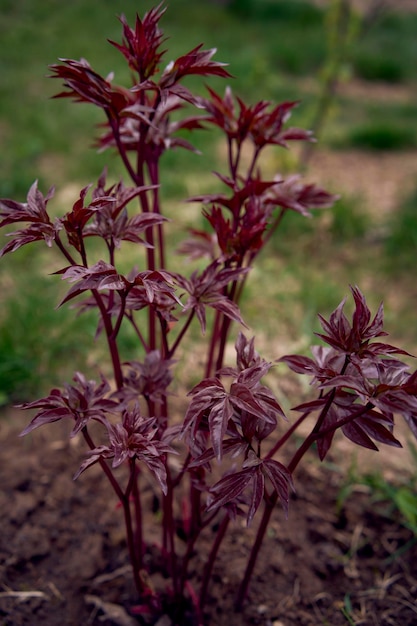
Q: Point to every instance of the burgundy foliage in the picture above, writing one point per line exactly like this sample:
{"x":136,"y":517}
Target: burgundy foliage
{"x":229,"y":439}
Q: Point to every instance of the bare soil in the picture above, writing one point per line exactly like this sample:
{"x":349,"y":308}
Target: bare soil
{"x":64,"y":562}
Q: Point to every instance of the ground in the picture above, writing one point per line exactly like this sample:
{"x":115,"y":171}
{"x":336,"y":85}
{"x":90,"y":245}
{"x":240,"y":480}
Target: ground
{"x":62,"y":545}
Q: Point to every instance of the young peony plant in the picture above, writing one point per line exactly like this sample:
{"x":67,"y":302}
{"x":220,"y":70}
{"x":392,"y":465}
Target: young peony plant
{"x":360,"y":383}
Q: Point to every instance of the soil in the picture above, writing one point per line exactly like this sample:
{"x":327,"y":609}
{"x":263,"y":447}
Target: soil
{"x":64,"y":562}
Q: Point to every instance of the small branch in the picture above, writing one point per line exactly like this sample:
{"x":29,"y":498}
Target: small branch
{"x":221,"y":532}
{"x":168,"y":536}
{"x":317,"y":434}
{"x":138,"y":513}
{"x":170,"y":353}
{"x":137,"y":330}
{"x":64,"y":251}
{"x":154,"y":177}
{"x":119,"y":320}
{"x":122,"y":151}
{"x":253,"y":162}
{"x":111,"y":339}
{"x":277,"y":221}
{"x":243,"y":589}
{"x":23,"y":595}
{"x":213,"y":343}
{"x":286,"y":436}
{"x":106,"y":469}
{"x":134,"y":556}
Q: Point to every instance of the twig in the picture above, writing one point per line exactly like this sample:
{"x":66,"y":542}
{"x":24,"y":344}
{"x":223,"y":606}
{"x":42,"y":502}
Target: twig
{"x":113,"y":612}
{"x":23,"y":595}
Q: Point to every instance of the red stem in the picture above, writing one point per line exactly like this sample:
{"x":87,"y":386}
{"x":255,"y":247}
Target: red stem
{"x":317,"y":434}
{"x":171,"y":352}
{"x":111,"y":339}
{"x":121,"y":149}
{"x":243,"y":589}
{"x":124,"y":499}
{"x":106,"y":469}
{"x":213,"y":343}
{"x":286,"y":436}
{"x":138,"y":515}
{"x":168,"y":528}
{"x":272,"y":500}
{"x":221,"y":532}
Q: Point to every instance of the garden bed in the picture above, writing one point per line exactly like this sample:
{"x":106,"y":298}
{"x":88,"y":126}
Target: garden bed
{"x":62,"y":545}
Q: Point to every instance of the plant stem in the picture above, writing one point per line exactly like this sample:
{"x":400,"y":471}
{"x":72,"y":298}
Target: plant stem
{"x":221,"y":532}
{"x":243,"y":589}
{"x":286,"y":436}
{"x":122,"y":151}
{"x":111,"y":339}
{"x":154,"y":177}
{"x":277,"y":221}
{"x":168,"y":528}
{"x":138,"y":515}
{"x":171,"y":352}
{"x":213,"y":343}
{"x":271,"y":501}
{"x":106,"y":469}
{"x":134,"y":556}
{"x":317,"y":434}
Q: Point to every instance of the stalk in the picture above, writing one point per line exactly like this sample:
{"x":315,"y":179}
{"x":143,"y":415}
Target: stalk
{"x":243,"y":589}
{"x":138,"y":516}
{"x":315,"y":434}
{"x":213,"y":343}
{"x":135,"y":555}
{"x":286,"y":436}
{"x":106,"y":469}
{"x":221,"y":532}
{"x":170,"y":352}
{"x":272,"y":500}
{"x":110,"y":331}
{"x":168,"y":532}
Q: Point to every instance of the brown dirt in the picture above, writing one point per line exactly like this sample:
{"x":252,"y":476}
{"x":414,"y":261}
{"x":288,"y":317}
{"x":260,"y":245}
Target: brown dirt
{"x":62,"y":543}
{"x":381,"y":181}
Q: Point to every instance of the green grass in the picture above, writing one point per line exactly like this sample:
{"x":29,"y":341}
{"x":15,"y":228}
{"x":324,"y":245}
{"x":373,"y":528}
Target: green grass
{"x":388,"y":49}
{"x":382,"y":136}
{"x":349,"y":220}
{"x":393,"y":500}
{"x":39,"y":345}
{"x":376,"y":124}
{"x":269,"y":44}
{"x":401,"y":240}
{"x":272,"y":47}
{"x":49,"y":139}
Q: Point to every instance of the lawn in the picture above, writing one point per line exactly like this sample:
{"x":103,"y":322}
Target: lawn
{"x":276,"y":50}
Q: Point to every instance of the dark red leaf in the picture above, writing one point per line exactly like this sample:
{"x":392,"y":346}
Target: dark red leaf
{"x":141,"y":45}
{"x":218,"y":419}
{"x":281,"y":480}
{"x":195,"y":62}
{"x":258,"y":491}
{"x":230,"y":488}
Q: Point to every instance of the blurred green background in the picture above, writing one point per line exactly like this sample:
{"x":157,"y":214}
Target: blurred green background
{"x":355,"y":74}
